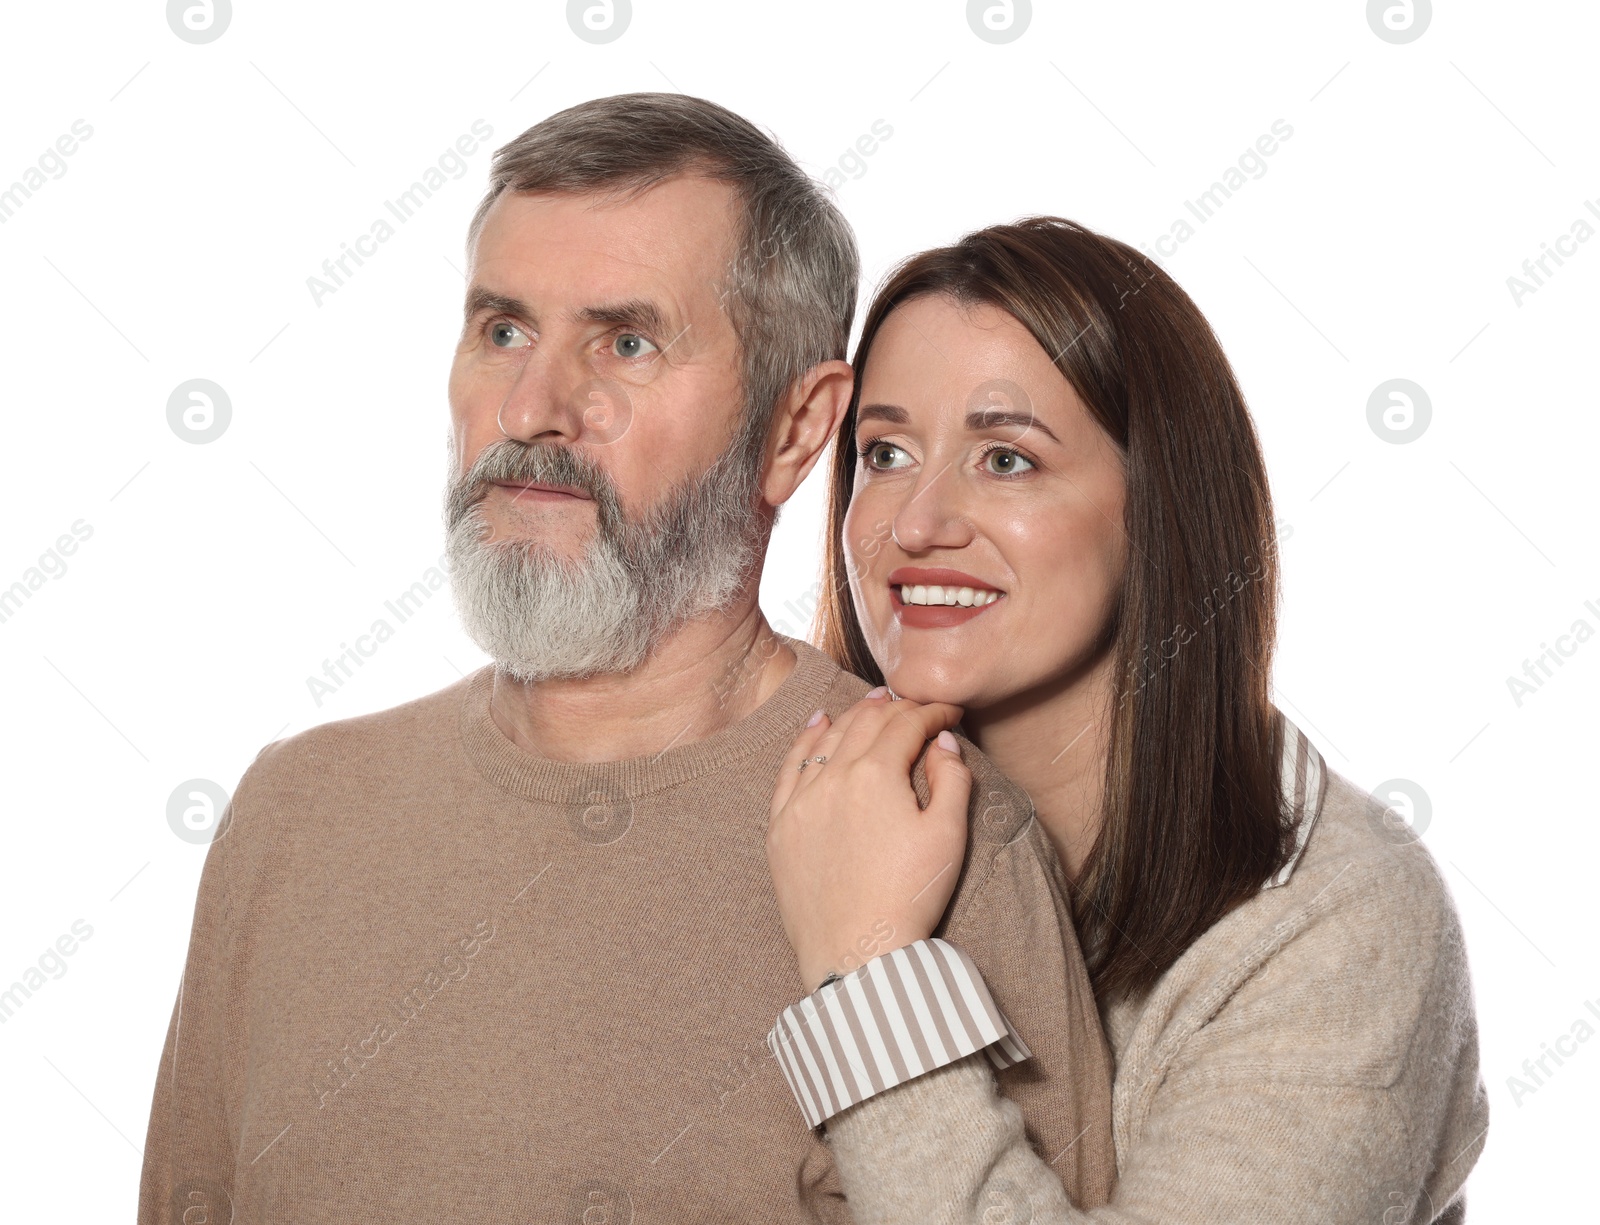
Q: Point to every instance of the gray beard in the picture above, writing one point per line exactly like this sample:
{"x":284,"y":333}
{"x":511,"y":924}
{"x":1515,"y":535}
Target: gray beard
{"x":542,"y":616}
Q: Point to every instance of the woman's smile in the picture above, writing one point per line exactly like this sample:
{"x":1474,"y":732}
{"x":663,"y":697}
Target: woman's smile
{"x":938,"y":598}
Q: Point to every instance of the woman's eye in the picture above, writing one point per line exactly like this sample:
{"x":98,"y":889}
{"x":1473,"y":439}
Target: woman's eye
{"x":1003,"y":462}
{"x":631,"y":344}
{"x":503,"y":335}
{"x":883,"y":455}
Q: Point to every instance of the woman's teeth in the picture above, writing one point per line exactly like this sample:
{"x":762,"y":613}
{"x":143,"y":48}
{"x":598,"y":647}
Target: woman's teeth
{"x":965,"y":596}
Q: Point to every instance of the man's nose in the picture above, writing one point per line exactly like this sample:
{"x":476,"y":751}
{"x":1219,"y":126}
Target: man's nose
{"x":540,"y":405}
{"x":933,"y":514}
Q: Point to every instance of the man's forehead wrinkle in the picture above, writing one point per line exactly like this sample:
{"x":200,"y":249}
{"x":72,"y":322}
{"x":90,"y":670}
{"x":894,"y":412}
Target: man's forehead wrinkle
{"x":681,"y":224}
{"x":590,"y":254}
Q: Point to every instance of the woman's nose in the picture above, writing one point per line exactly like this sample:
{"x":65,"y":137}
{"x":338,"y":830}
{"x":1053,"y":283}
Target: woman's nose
{"x":932,"y":516}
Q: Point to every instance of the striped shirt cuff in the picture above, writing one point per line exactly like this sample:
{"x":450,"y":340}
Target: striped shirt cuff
{"x":899,"y":1015}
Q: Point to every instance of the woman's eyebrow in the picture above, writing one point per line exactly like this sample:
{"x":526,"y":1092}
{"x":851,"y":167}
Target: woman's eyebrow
{"x":994,"y":418}
{"x":979,"y":419}
{"x":883,"y":412}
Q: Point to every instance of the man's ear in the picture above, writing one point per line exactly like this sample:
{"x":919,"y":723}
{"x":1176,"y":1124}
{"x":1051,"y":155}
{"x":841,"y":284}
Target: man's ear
{"x":802,"y":425}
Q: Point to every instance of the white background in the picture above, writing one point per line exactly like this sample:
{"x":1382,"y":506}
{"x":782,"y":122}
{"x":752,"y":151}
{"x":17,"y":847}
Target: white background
{"x":219,"y":577}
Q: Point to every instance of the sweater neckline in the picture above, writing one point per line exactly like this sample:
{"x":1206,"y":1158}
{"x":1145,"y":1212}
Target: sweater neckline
{"x":509,"y":766}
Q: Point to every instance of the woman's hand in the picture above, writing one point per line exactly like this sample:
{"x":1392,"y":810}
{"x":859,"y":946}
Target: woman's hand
{"x":859,"y":869}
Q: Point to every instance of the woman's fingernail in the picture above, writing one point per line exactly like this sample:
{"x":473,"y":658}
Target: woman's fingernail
{"x":947,"y":742}
{"x":878,"y":692}
{"x":814,"y":719}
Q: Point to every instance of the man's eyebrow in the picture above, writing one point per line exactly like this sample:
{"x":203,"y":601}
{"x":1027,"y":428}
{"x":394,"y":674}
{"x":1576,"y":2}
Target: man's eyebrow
{"x":480,"y":300}
{"x":638,"y":313}
{"x":994,"y":418}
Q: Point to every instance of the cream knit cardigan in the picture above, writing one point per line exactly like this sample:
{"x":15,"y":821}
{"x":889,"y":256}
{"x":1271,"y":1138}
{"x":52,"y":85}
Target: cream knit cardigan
{"x":1312,"y":1058}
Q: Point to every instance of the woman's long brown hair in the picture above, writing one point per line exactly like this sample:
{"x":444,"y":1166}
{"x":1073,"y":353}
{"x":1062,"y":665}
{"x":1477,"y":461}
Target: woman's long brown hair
{"x":1193,"y":823}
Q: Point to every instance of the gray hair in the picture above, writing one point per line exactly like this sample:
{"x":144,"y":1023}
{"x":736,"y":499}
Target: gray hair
{"x":790,"y":291}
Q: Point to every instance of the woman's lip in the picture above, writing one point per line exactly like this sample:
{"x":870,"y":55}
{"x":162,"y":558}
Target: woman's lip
{"x":936,"y":576}
{"x":935,"y":616}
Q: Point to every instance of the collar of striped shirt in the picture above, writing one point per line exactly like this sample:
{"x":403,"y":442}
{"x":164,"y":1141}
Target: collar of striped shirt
{"x":1303,"y":778}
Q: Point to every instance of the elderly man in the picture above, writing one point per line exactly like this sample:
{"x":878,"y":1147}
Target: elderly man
{"x":509,"y":951}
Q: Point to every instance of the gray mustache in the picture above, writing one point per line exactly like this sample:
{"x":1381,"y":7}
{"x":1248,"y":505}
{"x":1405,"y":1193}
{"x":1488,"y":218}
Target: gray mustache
{"x":509,"y":460}
{"x":514,"y":461}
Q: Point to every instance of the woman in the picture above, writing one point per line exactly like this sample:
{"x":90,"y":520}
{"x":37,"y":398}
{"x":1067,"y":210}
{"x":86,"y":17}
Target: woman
{"x":1049,"y":510}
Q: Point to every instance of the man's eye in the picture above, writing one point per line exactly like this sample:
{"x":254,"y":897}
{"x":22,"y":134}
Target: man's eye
{"x":505,"y":335}
{"x":631,"y":344}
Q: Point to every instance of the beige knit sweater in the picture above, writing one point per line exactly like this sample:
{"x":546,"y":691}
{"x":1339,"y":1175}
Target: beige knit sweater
{"x":1312,"y":1058}
{"x":435,"y":978}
